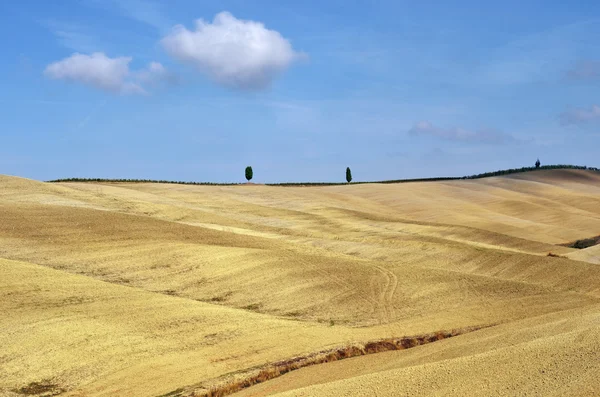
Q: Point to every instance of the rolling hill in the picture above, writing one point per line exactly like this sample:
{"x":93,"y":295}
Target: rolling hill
{"x":145,"y":289}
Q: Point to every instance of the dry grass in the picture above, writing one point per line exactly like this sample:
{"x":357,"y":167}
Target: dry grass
{"x":143,"y":289}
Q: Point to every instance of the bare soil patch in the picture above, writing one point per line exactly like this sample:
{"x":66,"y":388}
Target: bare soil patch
{"x":41,"y":389}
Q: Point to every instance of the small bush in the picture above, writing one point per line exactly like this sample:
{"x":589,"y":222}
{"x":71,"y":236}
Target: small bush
{"x":253,"y":307}
{"x":585,"y":243}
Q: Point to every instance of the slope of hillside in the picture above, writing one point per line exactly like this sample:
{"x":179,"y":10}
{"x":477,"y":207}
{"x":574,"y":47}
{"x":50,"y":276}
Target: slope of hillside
{"x":551,"y":355}
{"x":73,"y":331}
{"x":590,"y":254}
{"x":140,"y":289}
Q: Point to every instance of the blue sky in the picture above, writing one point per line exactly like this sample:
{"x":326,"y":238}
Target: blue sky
{"x":298,"y":90}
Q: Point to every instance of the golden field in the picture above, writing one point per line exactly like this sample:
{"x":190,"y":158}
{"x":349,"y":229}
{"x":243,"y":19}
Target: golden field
{"x":147,"y":289}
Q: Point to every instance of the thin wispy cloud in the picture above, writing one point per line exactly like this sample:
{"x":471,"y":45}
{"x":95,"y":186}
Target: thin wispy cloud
{"x":102,"y":72}
{"x":72,"y":36}
{"x":43,"y":102}
{"x":539,"y":56}
{"x":235,"y":53}
{"x":580,"y":115}
{"x":585,"y":70}
{"x":87,"y":118}
{"x":486,"y":136}
{"x":147,"y":12}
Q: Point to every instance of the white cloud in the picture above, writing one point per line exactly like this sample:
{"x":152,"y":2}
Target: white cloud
{"x":580,"y":115}
{"x":109,"y":74}
{"x":96,"y":70}
{"x":489,"y":136}
{"x":233,"y":52}
{"x":153,"y":74}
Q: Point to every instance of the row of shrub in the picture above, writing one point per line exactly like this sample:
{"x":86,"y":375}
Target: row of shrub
{"x":477,"y":176}
{"x":140,"y":181}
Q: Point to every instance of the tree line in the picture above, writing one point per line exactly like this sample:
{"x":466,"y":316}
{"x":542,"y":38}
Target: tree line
{"x":249,"y":174}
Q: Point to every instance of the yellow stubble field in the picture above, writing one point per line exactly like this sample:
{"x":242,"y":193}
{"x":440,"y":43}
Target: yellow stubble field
{"x":151,"y":289}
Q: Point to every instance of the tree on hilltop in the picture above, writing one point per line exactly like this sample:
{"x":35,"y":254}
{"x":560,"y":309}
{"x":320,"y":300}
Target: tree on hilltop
{"x":249,"y":173}
{"x":348,"y":175}
{"x":537,"y":163}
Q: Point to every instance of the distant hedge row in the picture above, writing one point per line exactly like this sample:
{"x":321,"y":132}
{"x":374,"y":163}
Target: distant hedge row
{"x":477,"y":176}
{"x":140,"y":181}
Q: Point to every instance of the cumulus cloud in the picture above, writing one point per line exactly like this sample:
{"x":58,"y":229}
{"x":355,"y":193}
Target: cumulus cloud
{"x":96,"y":70}
{"x":585,"y":70}
{"x":235,"y":53}
{"x":109,"y":74}
{"x":489,"y":136}
{"x":155,"y":73}
{"x":580,"y":115}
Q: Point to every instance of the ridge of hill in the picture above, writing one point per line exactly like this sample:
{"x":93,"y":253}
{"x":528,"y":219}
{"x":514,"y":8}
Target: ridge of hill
{"x":431,"y":179}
